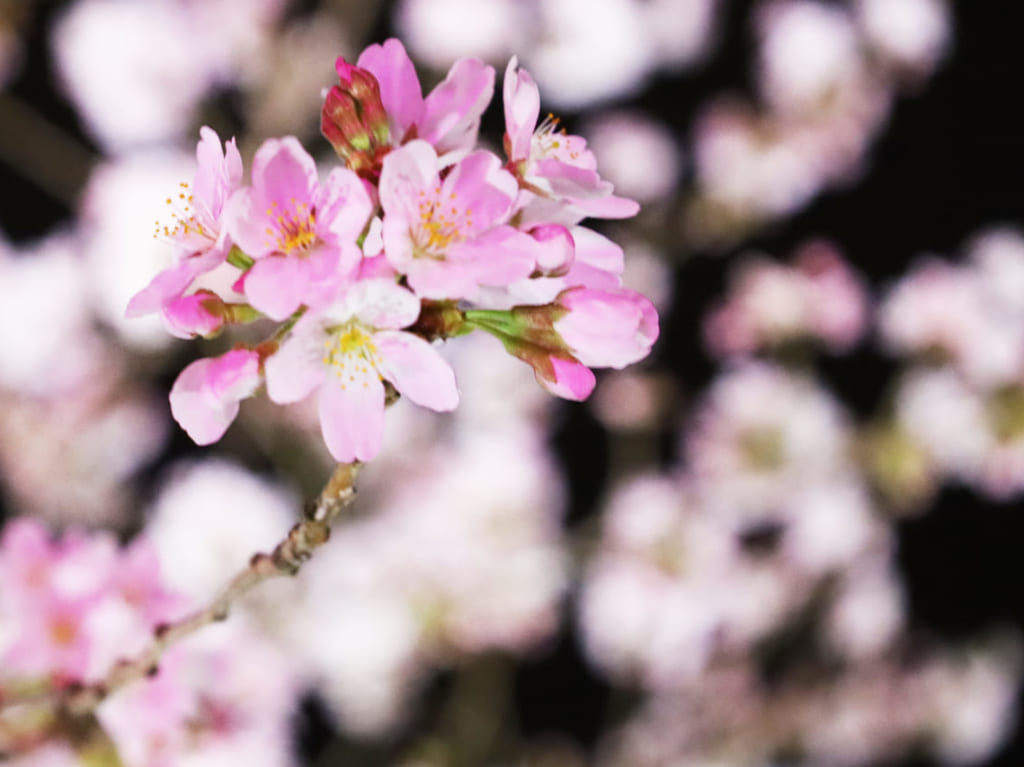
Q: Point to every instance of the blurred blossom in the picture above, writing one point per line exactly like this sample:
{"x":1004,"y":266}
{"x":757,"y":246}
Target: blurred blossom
{"x":124,"y":201}
{"x":74,"y":605}
{"x":655,"y":595}
{"x":679,"y":32}
{"x":590,"y":51}
{"x":960,"y":314}
{"x":819,"y":298}
{"x":462,"y":556}
{"x":440,"y":31}
{"x":47,"y":341}
{"x":72,"y":458}
{"x":878,"y":712}
{"x":638,"y":155}
{"x":128,"y":68}
{"x":209,"y":518}
{"x":997,"y":255}
{"x":867,"y":614}
{"x":910,"y":35}
{"x":808,"y":54}
{"x":220,"y":696}
{"x":628,"y":400}
{"x":760,"y":435}
{"x":137,"y":71}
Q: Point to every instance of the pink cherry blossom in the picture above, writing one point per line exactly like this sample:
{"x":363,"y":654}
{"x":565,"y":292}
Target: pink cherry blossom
{"x":607,"y":328}
{"x":551,"y":163}
{"x":205,"y":397}
{"x":196,"y":227}
{"x":347,"y":351}
{"x":448,"y":118}
{"x":450,"y":235}
{"x":301,"y":233}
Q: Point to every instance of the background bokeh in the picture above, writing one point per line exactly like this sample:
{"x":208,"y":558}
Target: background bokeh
{"x":790,"y":537}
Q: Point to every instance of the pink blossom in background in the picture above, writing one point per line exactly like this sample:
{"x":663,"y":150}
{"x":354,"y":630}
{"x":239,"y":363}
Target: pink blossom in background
{"x":301,"y":233}
{"x":347,"y":350}
{"x":819,"y":298}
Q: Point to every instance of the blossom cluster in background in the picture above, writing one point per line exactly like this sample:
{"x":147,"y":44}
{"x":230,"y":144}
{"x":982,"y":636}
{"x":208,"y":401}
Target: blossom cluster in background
{"x":703,"y":563}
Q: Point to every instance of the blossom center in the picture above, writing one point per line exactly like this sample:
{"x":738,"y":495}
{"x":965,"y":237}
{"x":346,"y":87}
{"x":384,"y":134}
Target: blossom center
{"x":443,"y":222}
{"x":551,"y":141}
{"x":294,"y":226}
{"x":350,"y":352}
{"x":185,"y":225}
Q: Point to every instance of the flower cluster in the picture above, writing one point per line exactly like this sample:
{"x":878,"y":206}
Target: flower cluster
{"x":417,"y":236}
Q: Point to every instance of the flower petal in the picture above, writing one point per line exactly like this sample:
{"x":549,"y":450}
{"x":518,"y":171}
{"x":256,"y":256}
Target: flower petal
{"x":451,"y":113}
{"x":297,"y":367}
{"x":205,"y":396}
{"x":416,"y":370}
{"x":400,"y":90}
{"x":277,"y":285}
{"x":352,"y":415}
{"x":522,"y":109}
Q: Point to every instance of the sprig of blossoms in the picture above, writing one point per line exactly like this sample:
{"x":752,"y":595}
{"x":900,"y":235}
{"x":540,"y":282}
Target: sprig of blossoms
{"x":417,"y":236}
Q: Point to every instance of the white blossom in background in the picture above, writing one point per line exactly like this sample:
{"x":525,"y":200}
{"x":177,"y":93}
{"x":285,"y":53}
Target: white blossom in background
{"x":807,"y":55}
{"x":680,"y":33}
{"x":47,"y":342}
{"x":912,"y":35}
{"x":136,"y":72}
{"x":638,"y":154}
{"x":210,"y":517}
{"x":759,"y":436}
{"x":868,"y":612}
{"x":589,"y":52}
{"x":440,"y":31}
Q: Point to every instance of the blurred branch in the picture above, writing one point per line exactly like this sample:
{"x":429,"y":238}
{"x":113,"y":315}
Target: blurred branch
{"x":41,"y":152}
{"x":77,"y":704}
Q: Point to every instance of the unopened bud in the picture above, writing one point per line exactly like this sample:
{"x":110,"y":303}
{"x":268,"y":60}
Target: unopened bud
{"x":354,"y":121}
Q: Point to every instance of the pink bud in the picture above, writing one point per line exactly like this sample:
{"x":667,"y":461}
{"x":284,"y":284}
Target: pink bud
{"x":206,"y":396}
{"x":607,"y":328}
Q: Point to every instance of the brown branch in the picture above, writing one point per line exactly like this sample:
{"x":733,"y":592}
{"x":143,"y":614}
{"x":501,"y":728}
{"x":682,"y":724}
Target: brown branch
{"x":77,"y":703}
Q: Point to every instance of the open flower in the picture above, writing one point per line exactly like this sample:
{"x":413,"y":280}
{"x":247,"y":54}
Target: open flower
{"x":449,"y":236}
{"x":195,"y":227}
{"x":549,"y":162}
{"x":301,"y":233}
{"x":348,"y":350}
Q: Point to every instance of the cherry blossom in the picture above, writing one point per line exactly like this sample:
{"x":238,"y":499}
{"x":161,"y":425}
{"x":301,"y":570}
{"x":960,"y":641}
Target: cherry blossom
{"x":348,"y":350}
{"x":302,"y":234}
{"x":205,"y":397}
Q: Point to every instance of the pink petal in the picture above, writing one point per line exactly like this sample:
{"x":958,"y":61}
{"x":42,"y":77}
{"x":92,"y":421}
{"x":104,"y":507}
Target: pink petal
{"x":598,"y":251}
{"x":205,"y":397}
{"x":187,"y":317}
{"x":343,"y":206}
{"x":498,"y":257}
{"x":218,"y":172}
{"x":404,"y":174}
{"x":283,"y":172}
{"x":297,"y":367}
{"x":522,"y":109}
{"x":416,"y":370}
{"x":278,"y":285}
{"x":608,"y":207}
{"x":481,"y":185}
{"x":379,"y":303}
{"x":571,"y":380}
{"x":352,"y":415}
{"x":400,"y":90}
{"x":451,"y":114}
{"x":608,"y":328}
{"x":556,"y":249}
